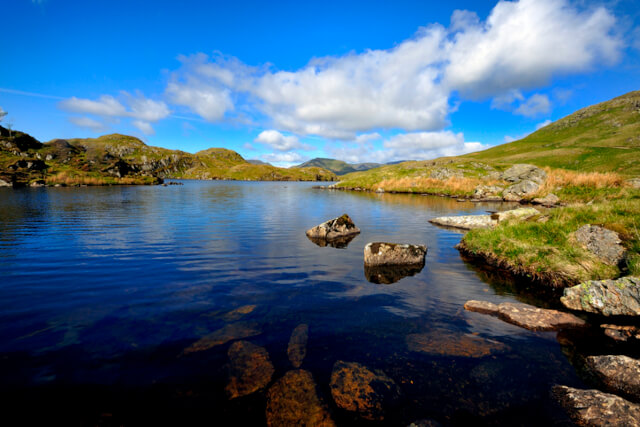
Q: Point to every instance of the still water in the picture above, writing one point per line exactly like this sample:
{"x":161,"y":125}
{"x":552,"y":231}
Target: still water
{"x":103,"y":289}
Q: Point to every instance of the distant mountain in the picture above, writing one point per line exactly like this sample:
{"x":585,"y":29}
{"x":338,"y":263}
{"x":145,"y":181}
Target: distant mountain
{"x":338,"y":166}
{"x":257,"y":162}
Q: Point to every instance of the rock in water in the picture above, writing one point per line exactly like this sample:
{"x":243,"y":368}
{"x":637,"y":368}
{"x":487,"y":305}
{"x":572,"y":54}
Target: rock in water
{"x":595,"y":408}
{"x":293,"y":401}
{"x":356,"y":388}
{"x":297,"y":348}
{"x":380,"y":253}
{"x":230,"y":332}
{"x":603,"y":243}
{"x":249,"y":369}
{"x":334,"y":228}
{"x":447,"y":343}
{"x":619,"y":297}
{"x":620,"y":374}
{"x":527,"y":316}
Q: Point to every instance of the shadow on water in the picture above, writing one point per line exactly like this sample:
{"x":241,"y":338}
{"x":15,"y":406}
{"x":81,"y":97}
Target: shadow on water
{"x":387,"y":275}
{"x":338,"y":242}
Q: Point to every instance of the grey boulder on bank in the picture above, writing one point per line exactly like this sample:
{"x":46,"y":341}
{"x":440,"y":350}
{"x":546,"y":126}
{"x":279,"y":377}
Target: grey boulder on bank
{"x":335,"y":228}
{"x":619,"y":297}
{"x":595,"y":408}
{"x":381,"y":253}
{"x":470,"y":222}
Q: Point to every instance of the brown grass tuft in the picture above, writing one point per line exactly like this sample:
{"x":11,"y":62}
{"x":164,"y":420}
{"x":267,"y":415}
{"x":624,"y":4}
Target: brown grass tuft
{"x":453,"y":185}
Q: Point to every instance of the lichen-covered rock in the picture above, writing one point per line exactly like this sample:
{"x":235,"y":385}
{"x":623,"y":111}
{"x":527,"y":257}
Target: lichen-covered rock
{"x":620,"y":374}
{"x":619,"y":297}
{"x":249,"y":369}
{"x":622,"y":333}
{"x":549,"y":200}
{"x":297,"y":349}
{"x":448,"y":343}
{"x":524,"y":172}
{"x":358,"y":389}
{"x":230,"y":332}
{"x":483,"y":191}
{"x":294,"y":401}
{"x":465,"y":222}
{"x":518,"y":214}
{"x":595,"y":408}
{"x":603,"y":243}
{"x":527,"y":316}
{"x":517,"y":192}
{"x":334,"y":228}
{"x":380,"y":253}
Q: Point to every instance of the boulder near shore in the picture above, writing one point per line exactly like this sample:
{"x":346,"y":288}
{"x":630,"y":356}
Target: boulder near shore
{"x":334,"y":229}
{"x":619,"y":297}
{"x":381,"y":253}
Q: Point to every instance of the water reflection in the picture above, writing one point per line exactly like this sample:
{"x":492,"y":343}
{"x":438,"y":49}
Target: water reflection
{"x":387,"y":275}
{"x":338,"y":242}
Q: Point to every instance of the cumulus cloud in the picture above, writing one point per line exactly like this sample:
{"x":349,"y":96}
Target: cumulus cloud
{"x":89,"y":123}
{"x":284,"y":159}
{"x":280,"y":142}
{"x":534,"y":106}
{"x":143,"y":111}
{"x":543,"y":124}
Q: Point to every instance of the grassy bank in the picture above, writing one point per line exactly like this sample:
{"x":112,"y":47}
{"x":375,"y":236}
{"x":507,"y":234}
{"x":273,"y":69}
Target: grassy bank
{"x":543,"y":248}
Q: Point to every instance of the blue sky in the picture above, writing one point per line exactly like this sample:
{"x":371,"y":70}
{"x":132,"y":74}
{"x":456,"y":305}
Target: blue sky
{"x":288,"y":81}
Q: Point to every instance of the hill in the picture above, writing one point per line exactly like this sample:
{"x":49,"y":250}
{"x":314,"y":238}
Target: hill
{"x":122,"y":159}
{"x":338,"y":167}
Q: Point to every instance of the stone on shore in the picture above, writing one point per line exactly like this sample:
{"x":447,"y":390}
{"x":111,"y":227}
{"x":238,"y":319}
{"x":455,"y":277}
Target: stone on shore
{"x":522,"y":189}
{"x":293,"y":401}
{"x":465,"y":222}
{"x":527,"y":316}
{"x":620,"y":374}
{"x":522,"y":172}
{"x":230,"y":332}
{"x":518,"y":214}
{"x":334,"y":228}
{"x":482,"y":191}
{"x":358,"y":389}
{"x":297,"y":349}
{"x":381,"y":253}
{"x":619,"y":297}
{"x":249,"y":369}
{"x":448,"y":343}
{"x":595,"y":408}
{"x":603,"y":243}
{"x":4,"y":183}
{"x":548,"y":201}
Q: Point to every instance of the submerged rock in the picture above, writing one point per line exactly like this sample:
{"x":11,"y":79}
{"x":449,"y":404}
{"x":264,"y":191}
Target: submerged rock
{"x":297,"y":349}
{"x":447,"y":343}
{"x":293,"y":401}
{"x":595,"y":408}
{"x":230,"y":332}
{"x":239,"y":312}
{"x":356,"y":388}
{"x":249,"y":369}
{"x":603,"y":243}
{"x":380,"y":253}
{"x":620,"y":374}
{"x":619,"y":297}
{"x":334,"y":228}
{"x":388,"y":274}
{"x":621,"y":333}
{"x":527,"y":316}
{"x":465,"y":222}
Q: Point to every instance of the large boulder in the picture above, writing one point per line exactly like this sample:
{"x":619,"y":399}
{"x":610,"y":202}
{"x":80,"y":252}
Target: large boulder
{"x":603,"y":243}
{"x":483,"y":191}
{"x":356,"y":388}
{"x":527,"y":316}
{"x":595,"y":408}
{"x":380,"y":253}
{"x":620,"y":374}
{"x":522,"y":189}
{"x":619,"y":297}
{"x":249,"y":369}
{"x":333,"y":229}
{"x":524,"y":172}
{"x":294,"y":401}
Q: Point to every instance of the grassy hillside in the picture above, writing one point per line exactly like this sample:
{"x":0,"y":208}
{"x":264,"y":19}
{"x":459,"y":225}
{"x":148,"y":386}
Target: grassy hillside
{"x":337,"y":166}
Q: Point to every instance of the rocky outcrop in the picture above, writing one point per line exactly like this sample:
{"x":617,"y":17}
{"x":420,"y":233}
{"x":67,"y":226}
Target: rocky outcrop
{"x":334,"y":229}
{"x":297,"y":348}
{"x":230,"y":332}
{"x":619,"y":297}
{"x":603,"y":243}
{"x":619,"y":374}
{"x":249,"y":369}
{"x":448,"y":343}
{"x":549,"y":200}
{"x":294,"y":401}
{"x":595,"y":408}
{"x":380,"y":253}
{"x":356,"y":388}
{"x":527,"y":316}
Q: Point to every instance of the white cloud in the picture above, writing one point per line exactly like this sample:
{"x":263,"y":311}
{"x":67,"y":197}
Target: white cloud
{"x":536,"y":105}
{"x":284,"y":159}
{"x":523,"y":44}
{"x":280,"y":142}
{"x":543,"y":124}
{"x":106,"y":105}
{"x":145,"y":127}
{"x":89,"y":123}
{"x":505,"y":101}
